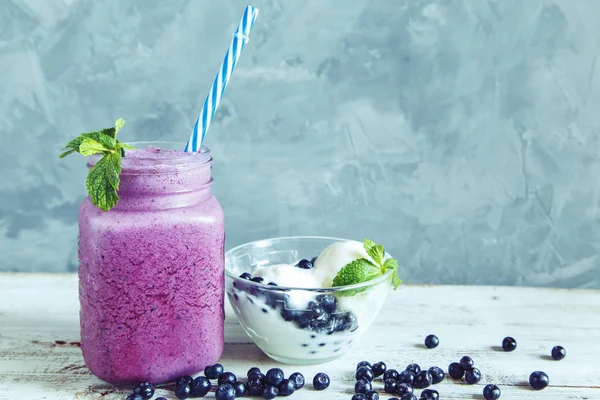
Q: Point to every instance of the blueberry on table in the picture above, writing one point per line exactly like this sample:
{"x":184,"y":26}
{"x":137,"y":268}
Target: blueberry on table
{"x":364,"y":364}
{"x":298,"y":379}
{"x":408,"y":396}
{"x":390,"y":374}
{"x":437,"y":374}
{"x":362,"y":386}
{"x":304,"y":264}
{"x":372,"y":395}
{"x":509,"y":343}
{"x":213,"y":371}
{"x":145,"y":389}
{"x":225,"y":391}
{"x":364,"y":373}
{"x":431,"y":341}
{"x":472,"y":376}
{"x":252,"y":371}
{"x":359,"y":396}
{"x":240,"y":389}
{"x":274,"y":376}
{"x":200,"y":386}
{"x":404,"y":388}
{"x":321,"y":381}
{"x":255,"y":386}
{"x":286,"y":387}
{"x":491,"y":392}
{"x":270,"y":392}
{"x":379,"y":368}
{"x":182,"y":392}
{"x":160,"y":398}
{"x":538,"y":380}
{"x":467,"y":363}
{"x":558,"y":353}
{"x":430,"y":394}
{"x":246,"y":275}
{"x":227,"y":377}
{"x":258,"y":375}
{"x":135,"y":396}
{"x":455,"y":371}
{"x":184,"y":380}
{"x":416,"y":368}
{"x":423,"y":380}
{"x":405,"y":377}
{"x":390,"y":386}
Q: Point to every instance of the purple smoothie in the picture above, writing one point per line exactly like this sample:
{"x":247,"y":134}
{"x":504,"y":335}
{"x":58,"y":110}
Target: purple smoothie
{"x":151,"y":273}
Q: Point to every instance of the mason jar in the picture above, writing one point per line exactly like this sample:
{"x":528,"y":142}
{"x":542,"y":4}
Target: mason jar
{"x":151,"y":272}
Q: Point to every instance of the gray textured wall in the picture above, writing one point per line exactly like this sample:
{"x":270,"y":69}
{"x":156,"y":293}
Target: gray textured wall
{"x":463,"y":135}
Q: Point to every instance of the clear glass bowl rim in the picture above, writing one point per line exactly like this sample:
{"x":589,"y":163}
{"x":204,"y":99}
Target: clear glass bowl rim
{"x":233,"y":276}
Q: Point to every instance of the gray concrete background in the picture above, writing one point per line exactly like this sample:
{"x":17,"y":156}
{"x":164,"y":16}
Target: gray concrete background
{"x":463,"y":135}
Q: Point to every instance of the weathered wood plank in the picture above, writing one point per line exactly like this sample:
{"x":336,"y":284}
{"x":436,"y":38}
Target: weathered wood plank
{"x":40,"y":357}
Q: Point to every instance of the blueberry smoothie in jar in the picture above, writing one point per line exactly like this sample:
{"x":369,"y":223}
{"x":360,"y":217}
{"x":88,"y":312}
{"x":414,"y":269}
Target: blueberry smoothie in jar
{"x":151,"y":273}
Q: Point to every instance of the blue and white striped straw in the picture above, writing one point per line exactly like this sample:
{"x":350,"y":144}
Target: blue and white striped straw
{"x":240,"y":37}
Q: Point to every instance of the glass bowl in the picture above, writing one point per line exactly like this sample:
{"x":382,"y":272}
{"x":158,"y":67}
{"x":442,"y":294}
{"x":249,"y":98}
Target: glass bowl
{"x":281,"y":320}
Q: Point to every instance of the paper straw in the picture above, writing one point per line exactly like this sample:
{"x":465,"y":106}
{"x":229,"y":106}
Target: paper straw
{"x":240,"y":37}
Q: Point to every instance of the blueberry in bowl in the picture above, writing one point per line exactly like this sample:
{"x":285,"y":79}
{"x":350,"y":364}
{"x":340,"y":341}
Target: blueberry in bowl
{"x":308,"y":315}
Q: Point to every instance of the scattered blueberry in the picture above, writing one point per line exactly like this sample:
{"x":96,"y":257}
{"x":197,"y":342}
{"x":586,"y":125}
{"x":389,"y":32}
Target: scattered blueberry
{"x":408,"y":396}
{"x":270,"y":392}
{"x":200,"y":386}
{"x":258,"y":375}
{"x":430,"y":394}
{"x":183,"y":391}
{"x":240,"y":389}
{"x":227,"y":377}
{"x":160,"y":398}
{"x":472,"y":376}
{"x":246,"y":275}
{"x":363,"y":364}
{"x":406,"y":377}
{"x":304,"y":264}
{"x":491,"y":392}
{"x":379,"y":368}
{"x":390,"y":386}
{"x":298,"y":379}
{"x":538,"y":380}
{"x":258,"y":279}
{"x":364,"y":373}
{"x":362,"y":386}
{"x":328,"y":302}
{"x":225,"y":391}
{"x":213,"y":371}
{"x":431,"y":341}
{"x":184,"y":380}
{"x":145,"y":389}
{"x":416,"y":368}
{"x":558,"y":353}
{"x":466,"y":363}
{"x":509,"y":343}
{"x":423,"y":380}
{"x":390,"y":374}
{"x":321,"y":381}
{"x":359,"y":396}
{"x":372,"y":395}
{"x":253,"y":370}
{"x":404,"y":388}
{"x":456,"y":371}
{"x":274,"y":376}
{"x":272,"y":284}
{"x":286,"y":387}
{"x":135,"y":396}
{"x":255,"y":386}
{"x":437,"y":374}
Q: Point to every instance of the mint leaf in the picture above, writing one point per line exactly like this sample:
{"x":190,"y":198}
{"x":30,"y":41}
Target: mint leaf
{"x":90,"y":146}
{"x":358,"y":271}
{"x":66,"y":153}
{"x":124,"y":146}
{"x":112,"y":132}
{"x":74,"y":145}
{"x":103,"y":181}
{"x":392,"y":264}
{"x":367,"y":244}
{"x":118,"y":125}
{"x":376,"y":252}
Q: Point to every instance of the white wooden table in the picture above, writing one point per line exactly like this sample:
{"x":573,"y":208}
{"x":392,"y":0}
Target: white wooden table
{"x":40,"y":357}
